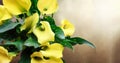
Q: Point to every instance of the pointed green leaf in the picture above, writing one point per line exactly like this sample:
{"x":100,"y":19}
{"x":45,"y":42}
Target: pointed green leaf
{"x":8,"y":25}
{"x":31,"y":42}
{"x":65,"y":43}
{"x":59,"y":33}
{"x":79,"y":40}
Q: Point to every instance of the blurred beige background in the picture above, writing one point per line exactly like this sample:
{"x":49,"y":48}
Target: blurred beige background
{"x":97,"y":21}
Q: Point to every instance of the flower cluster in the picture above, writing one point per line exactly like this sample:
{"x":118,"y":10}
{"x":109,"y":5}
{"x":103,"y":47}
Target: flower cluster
{"x":27,"y":28}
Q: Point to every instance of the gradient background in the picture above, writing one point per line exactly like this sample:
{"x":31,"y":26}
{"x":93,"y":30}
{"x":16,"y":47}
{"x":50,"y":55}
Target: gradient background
{"x":97,"y":21}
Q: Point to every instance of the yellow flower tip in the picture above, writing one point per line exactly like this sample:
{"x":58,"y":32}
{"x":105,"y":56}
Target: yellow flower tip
{"x":47,"y":6}
{"x":4,"y":14}
{"x":53,"y":50}
{"x":4,"y":57}
{"x":44,"y":33}
{"x":67,"y":27}
{"x":17,"y":7}
{"x":30,"y":22}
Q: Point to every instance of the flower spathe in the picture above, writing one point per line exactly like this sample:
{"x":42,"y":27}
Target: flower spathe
{"x":53,"y":50}
{"x":67,"y":27}
{"x":4,"y":14}
{"x":47,"y":6}
{"x":37,"y":57}
{"x":4,"y":57}
{"x":30,"y":22}
{"x":44,"y":32}
{"x":17,"y":7}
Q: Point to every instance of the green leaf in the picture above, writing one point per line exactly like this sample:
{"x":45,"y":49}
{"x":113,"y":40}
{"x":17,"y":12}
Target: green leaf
{"x":31,"y":42}
{"x":25,"y":55}
{"x":65,"y":43}
{"x":72,"y":42}
{"x":17,"y":44}
{"x":34,"y":7}
{"x":79,"y":40}
{"x":59,"y":33}
{"x":50,"y":20}
{"x":8,"y":25}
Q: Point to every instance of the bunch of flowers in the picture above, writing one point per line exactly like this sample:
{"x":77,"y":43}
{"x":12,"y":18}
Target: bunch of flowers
{"x":27,"y":28}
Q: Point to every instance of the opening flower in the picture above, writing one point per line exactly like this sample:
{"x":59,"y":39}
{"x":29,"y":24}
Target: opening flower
{"x":44,"y":32}
{"x":30,"y":22}
{"x":37,"y":57}
{"x":4,"y":57}
{"x":67,"y":27}
{"x":17,"y":7}
{"x":47,"y":6}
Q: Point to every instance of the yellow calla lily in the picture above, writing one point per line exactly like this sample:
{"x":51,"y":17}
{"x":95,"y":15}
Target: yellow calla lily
{"x":17,"y":7}
{"x":30,"y":22}
{"x":47,"y":6}
{"x":44,"y":33}
{"x":37,"y":57}
{"x":4,"y":57}
{"x":53,"y":50}
{"x":67,"y":27}
{"x":4,"y":14}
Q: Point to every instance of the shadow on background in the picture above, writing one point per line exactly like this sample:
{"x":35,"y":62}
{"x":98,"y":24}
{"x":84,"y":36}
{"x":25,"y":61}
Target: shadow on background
{"x":0,"y":1}
{"x":116,"y":55}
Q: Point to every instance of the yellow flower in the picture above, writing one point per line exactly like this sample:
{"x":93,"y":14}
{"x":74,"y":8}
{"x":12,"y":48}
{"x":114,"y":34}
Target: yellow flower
{"x":44,"y":33}
{"x":37,"y":57}
{"x":4,"y":57}
{"x":47,"y":6}
{"x":4,"y":14}
{"x":53,"y":50}
{"x":67,"y":27}
{"x":30,"y":22}
{"x":17,"y":7}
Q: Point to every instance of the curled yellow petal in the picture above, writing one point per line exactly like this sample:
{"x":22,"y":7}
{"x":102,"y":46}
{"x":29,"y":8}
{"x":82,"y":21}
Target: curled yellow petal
{"x":67,"y":27}
{"x":53,"y":50}
{"x":30,"y":22}
{"x":44,"y":33}
{"x":17,"y":7}
{"x":37,"y":57}
{"x":4,"y":57}
{"x":4,"y":14}
{"x":47,"y":6}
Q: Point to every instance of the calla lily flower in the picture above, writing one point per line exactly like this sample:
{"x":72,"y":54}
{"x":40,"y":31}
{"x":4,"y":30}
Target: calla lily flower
{"x":30,"y":22}
{"x":17,"y":7}
{"x":4,"y":14}
{"x":4,"y":57}
{"x":44,"y":33}
{"x":47,"y":6}
{"x":37,"y":57}
{"x":53,"y":50}
{"x":67,"y":27}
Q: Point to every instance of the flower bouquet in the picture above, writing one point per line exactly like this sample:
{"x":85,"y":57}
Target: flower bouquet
{"x":27,"y":28}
